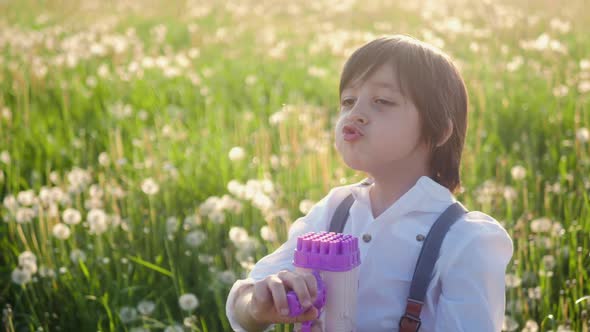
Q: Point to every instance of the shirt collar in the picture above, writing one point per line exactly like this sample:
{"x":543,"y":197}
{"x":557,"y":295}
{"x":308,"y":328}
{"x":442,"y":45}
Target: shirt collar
{"x":425,"y":196}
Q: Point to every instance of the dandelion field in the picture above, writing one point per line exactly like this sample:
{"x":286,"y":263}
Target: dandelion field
{"x":151,"y":152}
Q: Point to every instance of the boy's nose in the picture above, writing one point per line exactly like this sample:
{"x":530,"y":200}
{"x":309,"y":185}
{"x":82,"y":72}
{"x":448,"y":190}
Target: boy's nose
{"x":359,"y":118}
{"x":357,"y":113}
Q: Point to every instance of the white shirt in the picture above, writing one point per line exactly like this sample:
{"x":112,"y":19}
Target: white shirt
{"x":467,"y":291}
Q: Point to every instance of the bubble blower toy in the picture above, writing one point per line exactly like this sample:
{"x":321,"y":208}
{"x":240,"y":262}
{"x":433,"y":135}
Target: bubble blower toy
{"x":333,"y":258}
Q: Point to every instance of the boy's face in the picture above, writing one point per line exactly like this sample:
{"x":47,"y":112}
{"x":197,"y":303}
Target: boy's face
{"x":378,"y":130}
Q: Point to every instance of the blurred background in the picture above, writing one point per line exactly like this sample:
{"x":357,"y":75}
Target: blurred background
{"x":152,"y":151}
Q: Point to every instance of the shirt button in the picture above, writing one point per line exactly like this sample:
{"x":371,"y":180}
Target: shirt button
{"x":367,"y":237}
{"x":419,"y":237}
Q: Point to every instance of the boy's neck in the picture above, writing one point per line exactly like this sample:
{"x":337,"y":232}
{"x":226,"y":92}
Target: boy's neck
{"x":388,"y":189}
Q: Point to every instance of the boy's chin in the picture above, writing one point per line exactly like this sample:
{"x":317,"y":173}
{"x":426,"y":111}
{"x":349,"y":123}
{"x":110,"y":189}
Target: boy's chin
{"x":354,"y":164}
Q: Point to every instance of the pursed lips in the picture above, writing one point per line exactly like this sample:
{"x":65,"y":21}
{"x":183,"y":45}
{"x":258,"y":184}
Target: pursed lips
{"x":351,"y":133}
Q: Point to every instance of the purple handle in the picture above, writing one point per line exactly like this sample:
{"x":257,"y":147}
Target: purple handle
{"x":295,"y":308}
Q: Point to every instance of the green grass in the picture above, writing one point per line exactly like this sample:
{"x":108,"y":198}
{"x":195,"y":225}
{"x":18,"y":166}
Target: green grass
{"x":213,"y":82}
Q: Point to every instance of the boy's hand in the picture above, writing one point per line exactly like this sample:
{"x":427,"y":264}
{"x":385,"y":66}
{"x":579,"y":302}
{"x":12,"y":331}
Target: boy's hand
{"x":269,"y":297}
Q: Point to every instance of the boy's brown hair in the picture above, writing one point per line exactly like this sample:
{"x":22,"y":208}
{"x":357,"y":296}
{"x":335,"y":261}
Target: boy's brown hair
{"x":430,"y":79}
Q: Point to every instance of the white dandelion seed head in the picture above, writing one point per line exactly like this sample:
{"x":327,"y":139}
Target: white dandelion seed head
{"x":29,"y":266}
{"x":238,"y":235}
{"x":25,"y":215}
{"x":103,"y":159}
{"x":57,"y":194}
{"x":26,"y":256}
{"x":146,"y":307}
{"x":208,"y":206}
{"x":46,"y":272}
{"x":262,"y":201}
{"x":227,"y":203}
{"x":584,"y":86}
{"x":583,"y":135}
{"x":510,"y":193}
{"x":227,"y":277}
{"x":149,"y":186}
{"x":268,"y":234}
{"x":6,"y":113}
{"x":557,"y":229}
{"x":518,"y":172}
{"x":78,"y":179}
{"x":564,"y":328}
{"x":541,"y":225}
{"x":267,"y":186}
{"x":236,"y":188}
{"x":195,"y":238}
{"x":277,"y":118}
{"x":188,"y":302}
{"x":98,"y":221}
{"x":54,"y":177}
{"x":127,"y":314}
{"x":5,"y":157}
{"x":46,"y":196}
{"x":560,"y":91}
{"x":61,"y":231}
{"x":77,"y":255}
{"x":237,"y":153}
{"x":10,"y":203}
{"x":535,"y":293}
{"x":549,"y":262}
{"x":306,"y":205}
{"x":20,"y":276}
{"x":512,"y":280}
{"x":71,"y":216}
{"x":26,"y":198}
{"x":509,"y":324}
{"x":95,"y":191}
{"x":247,"y":265}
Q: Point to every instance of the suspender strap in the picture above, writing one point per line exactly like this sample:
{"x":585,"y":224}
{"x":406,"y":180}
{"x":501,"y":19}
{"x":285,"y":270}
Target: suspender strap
{"x":341,"y":215}
{"x":410,"y":321}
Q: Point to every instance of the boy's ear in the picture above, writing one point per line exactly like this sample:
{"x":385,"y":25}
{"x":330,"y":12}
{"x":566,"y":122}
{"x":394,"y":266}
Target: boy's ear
{"x":447,"y":134}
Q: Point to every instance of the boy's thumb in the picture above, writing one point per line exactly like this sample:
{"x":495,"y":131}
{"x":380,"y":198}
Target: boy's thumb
{"x":310,"y":314}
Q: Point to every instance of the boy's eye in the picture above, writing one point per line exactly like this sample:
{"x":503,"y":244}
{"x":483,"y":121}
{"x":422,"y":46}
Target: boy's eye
{"x":383,"y":101}
{"x":347,"y":102}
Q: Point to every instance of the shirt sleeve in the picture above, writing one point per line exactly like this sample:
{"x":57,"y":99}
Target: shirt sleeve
{"x":280,"y":259}
{"x":473,"y":286}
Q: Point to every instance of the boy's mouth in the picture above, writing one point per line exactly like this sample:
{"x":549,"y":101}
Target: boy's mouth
{"x":351,"y":133}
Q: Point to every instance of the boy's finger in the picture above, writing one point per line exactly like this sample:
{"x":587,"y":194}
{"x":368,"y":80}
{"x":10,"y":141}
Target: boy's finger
{"x":312,"y":285}
{"x":310,"y":314}
{"x":298,"y":284}
{"x":279,"y":295}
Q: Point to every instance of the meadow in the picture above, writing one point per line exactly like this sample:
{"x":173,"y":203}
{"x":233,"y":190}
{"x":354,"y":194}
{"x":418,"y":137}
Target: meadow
{"x":152,"y":151}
